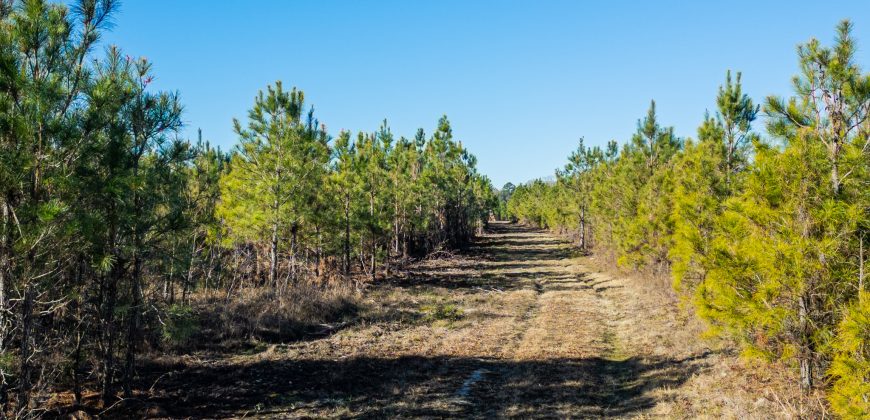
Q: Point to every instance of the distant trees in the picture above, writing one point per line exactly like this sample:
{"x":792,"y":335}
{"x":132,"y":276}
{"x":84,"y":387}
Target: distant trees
{"x":504,"y":195}
{"x":368,"y":202}
{"x":109,"y":222}
{"x":769,"y":241}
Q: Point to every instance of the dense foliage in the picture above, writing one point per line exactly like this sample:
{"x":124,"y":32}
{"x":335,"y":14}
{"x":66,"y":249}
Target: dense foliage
{"x":109,"y":221}
{"x":766,"y":235}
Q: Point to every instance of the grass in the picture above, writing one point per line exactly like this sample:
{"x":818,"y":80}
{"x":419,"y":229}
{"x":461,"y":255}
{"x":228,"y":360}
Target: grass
{"x":442,"y":313}
{"x":252,"y":317}
{"x":554,"y":338}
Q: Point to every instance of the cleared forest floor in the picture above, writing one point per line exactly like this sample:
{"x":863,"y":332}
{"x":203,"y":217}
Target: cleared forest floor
{"x":516,"y":327}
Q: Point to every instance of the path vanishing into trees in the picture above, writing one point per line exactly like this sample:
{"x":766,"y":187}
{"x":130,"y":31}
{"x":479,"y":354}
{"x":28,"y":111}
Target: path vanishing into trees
{"x":516,"y":326}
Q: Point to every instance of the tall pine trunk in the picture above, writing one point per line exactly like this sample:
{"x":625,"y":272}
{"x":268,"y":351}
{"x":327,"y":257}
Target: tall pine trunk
{"x":294,"y":244}
{"x":133,"y":325}
{"x":5,"y":271}
{"x":273,"y":250}
{"x":346,"y":267}
{"x":805,"y":356}
{"x":583,"y":227}
{"x":374,"y":250}
{"x":25,"y":350}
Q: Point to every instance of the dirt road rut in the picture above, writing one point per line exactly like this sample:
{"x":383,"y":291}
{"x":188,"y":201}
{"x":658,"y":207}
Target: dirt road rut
{"x":516,"y":327}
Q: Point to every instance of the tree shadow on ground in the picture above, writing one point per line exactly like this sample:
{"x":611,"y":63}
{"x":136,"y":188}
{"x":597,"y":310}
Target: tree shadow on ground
{"x":517,"y":241}
{"x":414,"y":387}
{"x":472,"y":282}
{"x":421,"y":386}
{"x":529,"y":254}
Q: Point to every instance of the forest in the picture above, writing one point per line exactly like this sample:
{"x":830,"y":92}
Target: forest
{"x":121,"y":241}
{"x":111,"y":224}
{"x":762,"y":228}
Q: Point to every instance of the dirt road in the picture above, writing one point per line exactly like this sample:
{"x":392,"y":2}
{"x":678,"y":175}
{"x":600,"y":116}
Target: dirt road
{"x":516,"y":327}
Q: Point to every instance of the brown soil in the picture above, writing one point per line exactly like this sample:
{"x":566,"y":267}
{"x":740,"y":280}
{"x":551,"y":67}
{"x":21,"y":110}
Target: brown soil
{"x":516,"y":327}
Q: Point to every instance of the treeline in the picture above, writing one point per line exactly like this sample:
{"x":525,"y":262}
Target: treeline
{"x":767,"y":233}
{"x":109,"y":222}
{"x":365,"y":201}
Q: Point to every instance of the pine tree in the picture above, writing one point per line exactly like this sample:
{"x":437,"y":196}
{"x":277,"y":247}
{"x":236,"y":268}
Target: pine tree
{"x":707,"y":174}
{"x":274,"y":172}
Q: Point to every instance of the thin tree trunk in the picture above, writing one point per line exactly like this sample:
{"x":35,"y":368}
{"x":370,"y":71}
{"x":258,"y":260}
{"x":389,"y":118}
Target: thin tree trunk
{"x":396,"y":228}
{"x":24,"y":374}
{"x":294,"y":244}
{"x":133,"y":326}
{"x":806,"y":349}
{"x":273,"y":256}
{"x":374,"y":243}
{"x":373,"y":260}
{"x":4,"y":269}
{"x":109,"y":341}
{"x":347,"y":235}
{"x":77,"y":356}
{"x":861,"y":268}
{"x":318,"y":255}
{"x":583,"y":227}
{"x":188,"y":279}
{"x":5,"y":272}
{"x":109,"y":296}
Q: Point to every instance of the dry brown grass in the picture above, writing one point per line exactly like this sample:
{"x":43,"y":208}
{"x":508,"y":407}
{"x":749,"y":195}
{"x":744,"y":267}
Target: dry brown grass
{"x":520,"y":326}
{"x":725,"y":385}
{"x":260,"y":315}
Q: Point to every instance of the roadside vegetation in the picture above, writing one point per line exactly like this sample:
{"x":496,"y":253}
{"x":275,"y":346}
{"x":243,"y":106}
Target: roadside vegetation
{"x":764,"y":231}
{"x":118,"y":237}
{"x":316,"y":273}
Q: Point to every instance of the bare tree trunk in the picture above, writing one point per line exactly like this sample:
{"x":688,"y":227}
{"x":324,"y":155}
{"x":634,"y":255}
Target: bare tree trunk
{"x":24,"y":375}
{"x":396,"y":228}
{"x":805,"y":356}
{"x":258,"y":270}
{"x":133,"y":325}
{"x":188,"y":279}
{"x":77,"y":354}
{"x":167,"y":283}
{"x":294,"y":244}
{"x":861,"y":268}
{"x":373,"y":260}
{"x":374,"y":243}
{"x":4,"y":269}
{"x":108,"y":300}
{"x":406,"y":236}
{"x":273,"y":256}
{"x":347,"y":235}
{"x":111,"y":297}
{"x":318,"y":255}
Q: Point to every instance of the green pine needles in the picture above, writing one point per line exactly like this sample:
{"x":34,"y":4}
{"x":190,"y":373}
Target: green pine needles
{"x":110,"y":223}
{"x":765,"y":236}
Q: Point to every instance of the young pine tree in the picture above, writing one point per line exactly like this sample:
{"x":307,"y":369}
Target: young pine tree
{"x":278,"y":165}
{"x":706,"y":174}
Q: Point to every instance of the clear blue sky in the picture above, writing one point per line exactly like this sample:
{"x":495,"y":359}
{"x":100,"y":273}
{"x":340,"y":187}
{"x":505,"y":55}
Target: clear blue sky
{"x":520,"y":81}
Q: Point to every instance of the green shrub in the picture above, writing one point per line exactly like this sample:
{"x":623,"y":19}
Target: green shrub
{"x":441,"y":311}
{"x":179,"y":325}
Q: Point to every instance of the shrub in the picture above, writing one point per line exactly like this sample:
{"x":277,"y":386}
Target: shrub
{"x":850,"y":369}
{"x":180,"y":325}
{"x":441,"y":311}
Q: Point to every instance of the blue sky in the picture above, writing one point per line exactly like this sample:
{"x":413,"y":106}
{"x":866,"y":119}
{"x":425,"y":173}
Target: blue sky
{"x":520,"y":81}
